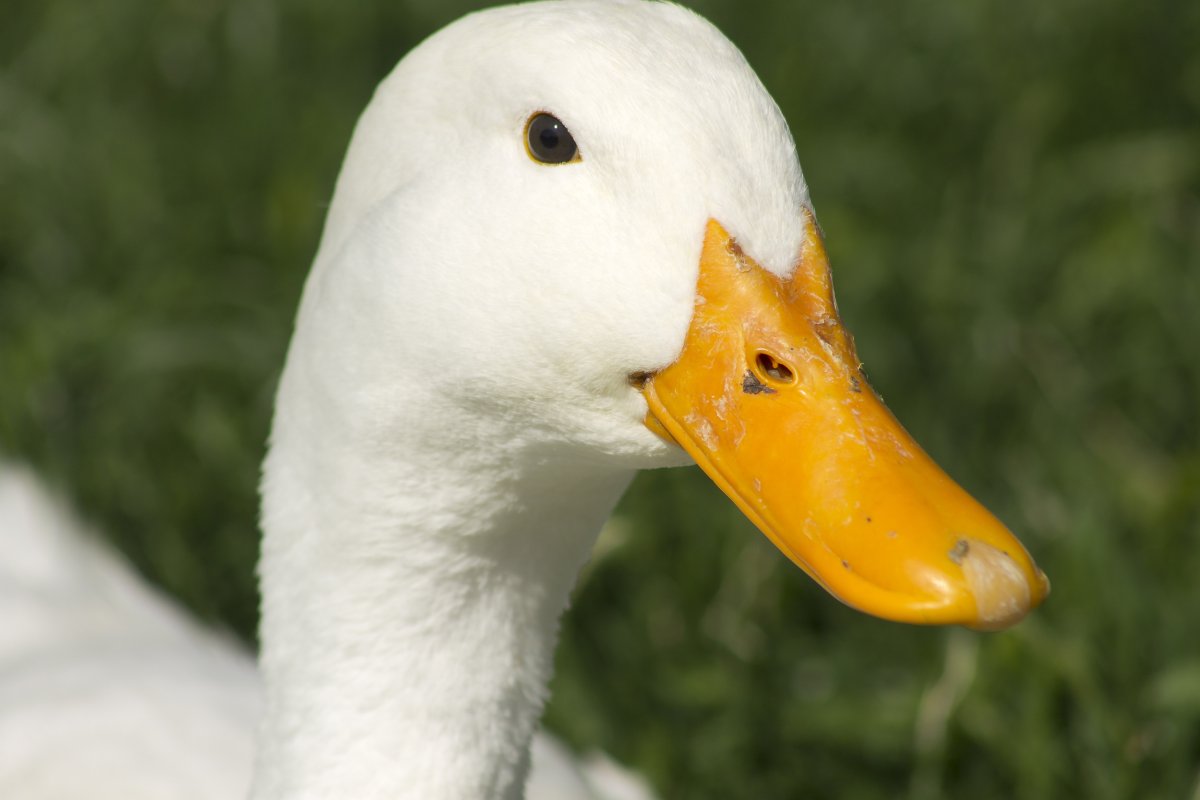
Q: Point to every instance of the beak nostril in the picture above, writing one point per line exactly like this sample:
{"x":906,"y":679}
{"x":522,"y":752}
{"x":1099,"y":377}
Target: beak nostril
{"x":774,"y":370}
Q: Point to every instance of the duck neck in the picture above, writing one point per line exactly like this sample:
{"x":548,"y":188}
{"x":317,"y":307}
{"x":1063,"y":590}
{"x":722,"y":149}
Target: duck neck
{"x":410,"y":608}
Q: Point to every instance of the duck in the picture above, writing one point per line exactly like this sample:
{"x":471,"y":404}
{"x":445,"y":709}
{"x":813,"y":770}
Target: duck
{"x":570,"y":240}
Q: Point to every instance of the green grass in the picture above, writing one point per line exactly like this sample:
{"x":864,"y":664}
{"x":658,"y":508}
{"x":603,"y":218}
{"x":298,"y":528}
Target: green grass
{"x":1011,"y":194}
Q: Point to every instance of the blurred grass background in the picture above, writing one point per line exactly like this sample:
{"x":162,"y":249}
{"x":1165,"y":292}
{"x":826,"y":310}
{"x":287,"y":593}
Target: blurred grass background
{"x":1011,"y":194}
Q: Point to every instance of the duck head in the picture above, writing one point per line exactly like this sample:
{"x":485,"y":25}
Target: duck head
{"x":580,"y":231}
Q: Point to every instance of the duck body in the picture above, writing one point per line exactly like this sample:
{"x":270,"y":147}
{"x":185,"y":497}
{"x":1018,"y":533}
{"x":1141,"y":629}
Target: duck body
{"x":107,"y":689}
{"x":110,"y":691}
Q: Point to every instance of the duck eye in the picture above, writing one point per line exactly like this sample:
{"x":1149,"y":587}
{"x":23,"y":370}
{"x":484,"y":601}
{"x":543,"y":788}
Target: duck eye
{"x":549,"y":141}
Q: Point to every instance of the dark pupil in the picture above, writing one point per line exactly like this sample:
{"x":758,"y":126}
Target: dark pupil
{"x":549,"y":140}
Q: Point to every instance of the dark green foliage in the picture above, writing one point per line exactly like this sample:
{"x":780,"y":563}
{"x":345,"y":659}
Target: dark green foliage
{"x":1011,"y":192}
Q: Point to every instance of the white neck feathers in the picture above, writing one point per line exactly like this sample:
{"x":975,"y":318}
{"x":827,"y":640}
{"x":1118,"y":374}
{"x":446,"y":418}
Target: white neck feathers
{"x":410,"y":607}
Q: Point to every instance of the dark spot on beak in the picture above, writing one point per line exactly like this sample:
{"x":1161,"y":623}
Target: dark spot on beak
{"x":752,"y":385}
{"x":855,"y":385}
{"x":638,"y":379}
{"x":734,"y":249}
{"x":959,"y":551}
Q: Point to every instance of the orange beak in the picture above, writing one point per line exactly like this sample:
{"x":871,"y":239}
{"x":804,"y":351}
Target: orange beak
{"x":768,"y":396}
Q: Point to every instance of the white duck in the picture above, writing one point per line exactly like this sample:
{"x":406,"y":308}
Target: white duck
{"x":570,"y":240}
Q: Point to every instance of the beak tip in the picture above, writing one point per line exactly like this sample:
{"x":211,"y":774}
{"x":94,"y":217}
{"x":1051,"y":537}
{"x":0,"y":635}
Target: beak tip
{"x":1003,"y":590}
